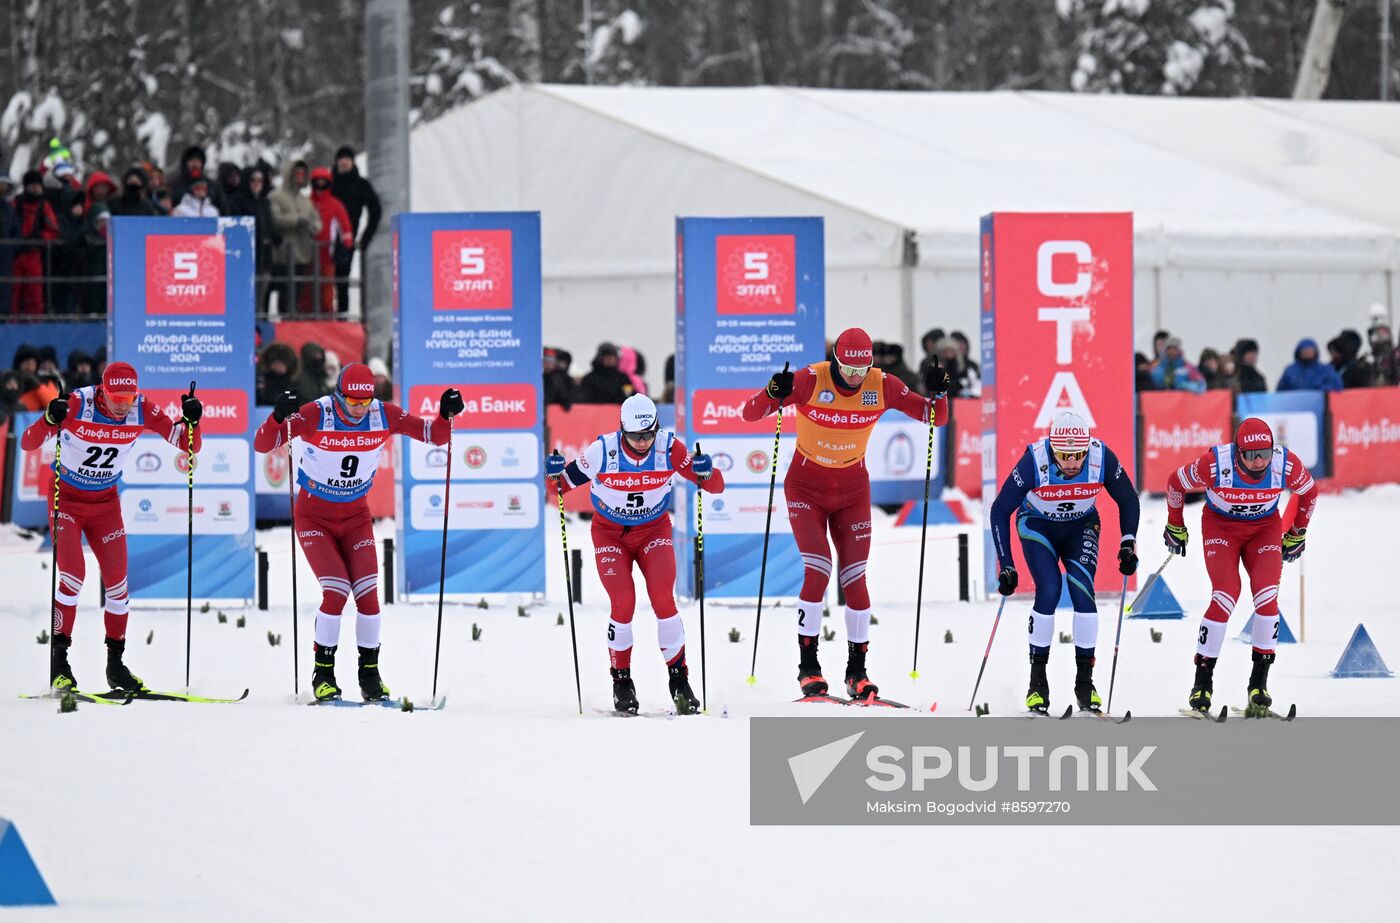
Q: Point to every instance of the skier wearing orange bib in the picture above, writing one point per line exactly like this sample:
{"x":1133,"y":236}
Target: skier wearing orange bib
{"x":827,"y":486}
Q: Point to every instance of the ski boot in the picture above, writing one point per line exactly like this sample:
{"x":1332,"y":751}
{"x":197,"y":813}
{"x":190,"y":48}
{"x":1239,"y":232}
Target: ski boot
{"x":858,"y":685}
{"x":1038,"y":695}
{"x":1204,"y":685}
{"x":1259,"y":698}
{"x":118,"y":676}
{"x":1084,"y":692}
{"x":624,"y":692}
{"x":323,"y":684}
{"x":809,"y":671}
{"x":60,"y":673}
{"x":372,"y":688}
{"x":681,"y":694}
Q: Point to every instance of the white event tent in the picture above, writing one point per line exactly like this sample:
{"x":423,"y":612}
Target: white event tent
{"x":1263,"y":218}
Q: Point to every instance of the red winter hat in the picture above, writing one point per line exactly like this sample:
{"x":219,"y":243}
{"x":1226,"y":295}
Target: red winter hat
{"x":1254,"y":433}
{"x":119,"y":379}
{"x":356,"y":380}
{"x":853,"y":347}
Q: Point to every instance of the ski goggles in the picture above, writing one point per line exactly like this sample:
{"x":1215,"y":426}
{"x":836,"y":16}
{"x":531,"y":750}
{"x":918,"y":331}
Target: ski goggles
{"x":644,"y":436}
{"x":852,"y":371}
{"x":357,"y":401}
{"x":1061,"y":456}
{"x":1256,"y":455}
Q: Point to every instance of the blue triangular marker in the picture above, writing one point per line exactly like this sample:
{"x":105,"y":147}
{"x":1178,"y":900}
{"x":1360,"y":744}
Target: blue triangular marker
{"x":21,"y":885}
{"x":1361,"y":660}
{"x":1285,"y":634}
{"x":1157,"y":603}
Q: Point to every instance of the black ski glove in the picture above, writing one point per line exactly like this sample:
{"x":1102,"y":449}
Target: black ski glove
{"x":780,"y":385}
{"x":287,"y":404}
{"x":191,"y":407}
{"x":450,"y":404}
{"x":1127,"y":558}
{"x":58,"y":409}
{"x":1006,"y":580}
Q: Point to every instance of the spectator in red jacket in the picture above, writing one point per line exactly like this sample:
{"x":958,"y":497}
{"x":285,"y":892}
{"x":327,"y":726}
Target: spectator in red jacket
{"x":37,"y":222}
{"x":335,"y":230}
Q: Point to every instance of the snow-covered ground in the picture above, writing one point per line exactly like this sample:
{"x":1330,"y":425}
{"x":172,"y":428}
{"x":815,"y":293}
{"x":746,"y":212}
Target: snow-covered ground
{"x":507,"y":805}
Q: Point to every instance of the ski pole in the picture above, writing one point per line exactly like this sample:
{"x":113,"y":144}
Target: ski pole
{"x":700,"y":579}
{"x":442,"y":564}
{"x":1117,"y":637}
{"x":987,"y":653}
{"x":292,"y":502}
{"x":189,"y":545}
{"x":569,"y":589}
{"x":1151,"y":580}
{"x":54,"y":616}
{"x":767,"y":527}
{"x":923,"y":542}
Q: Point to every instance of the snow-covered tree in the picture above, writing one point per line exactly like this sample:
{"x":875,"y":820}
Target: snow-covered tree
{"x":1166,"y":47}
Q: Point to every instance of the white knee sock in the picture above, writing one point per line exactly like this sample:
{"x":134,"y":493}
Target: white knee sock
{"x":809,"y":618}
{"x":327,"y":629}
{"x":1086,"y":629}
{"x":857,"y":625}
{"x":1042,"y":628}
{"x":367,"y":630}
{"x":670,"y":634}
{"x":1211,"y":637}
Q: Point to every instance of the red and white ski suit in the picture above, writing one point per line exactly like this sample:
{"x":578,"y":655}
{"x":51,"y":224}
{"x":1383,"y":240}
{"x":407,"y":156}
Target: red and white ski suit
{"x":1240,"y":525}
{"x":631,"y":493}
{"x":827,"y":485}
{"x":94,"y":446}
{"x":332,"y":518}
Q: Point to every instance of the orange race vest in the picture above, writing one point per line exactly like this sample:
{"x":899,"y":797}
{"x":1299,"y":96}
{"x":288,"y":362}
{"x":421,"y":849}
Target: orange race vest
{"x":833,"y":428}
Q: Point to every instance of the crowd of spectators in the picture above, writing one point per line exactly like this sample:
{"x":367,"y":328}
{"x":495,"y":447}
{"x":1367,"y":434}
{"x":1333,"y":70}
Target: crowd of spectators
{"x":1351,"y":362}
{"x":309,"y":225}
{"x":35,"y":377}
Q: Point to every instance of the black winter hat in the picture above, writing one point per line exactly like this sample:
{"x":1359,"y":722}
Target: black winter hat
{"x":345,"y":150}
{"x":25,"y":351}
{"x":32,"y":177}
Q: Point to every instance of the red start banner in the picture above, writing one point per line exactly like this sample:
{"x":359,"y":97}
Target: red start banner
{"x":1177,"y":427}
{"x":1365,"y":436}
{"x":1057,"y":334}
{"x":185,"y":274}
{"x":967,"y":452}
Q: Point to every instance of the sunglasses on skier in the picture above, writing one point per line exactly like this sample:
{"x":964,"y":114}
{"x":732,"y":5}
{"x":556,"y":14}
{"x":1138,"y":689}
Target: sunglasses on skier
{"x":358,"y":401}
{"x":1070,"y":456}
{"x":1256,"y":455}
{"x":852,"y":371}
{"x":644,"y":436}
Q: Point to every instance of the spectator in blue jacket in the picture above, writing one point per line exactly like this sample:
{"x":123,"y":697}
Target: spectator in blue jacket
{"x":1307,"y":373}
{"x":1173,"y":373}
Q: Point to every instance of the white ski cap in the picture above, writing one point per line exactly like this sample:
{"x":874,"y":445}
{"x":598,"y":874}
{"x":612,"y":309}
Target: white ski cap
{"x":639,"y":414}
{"x":1068,"y":432}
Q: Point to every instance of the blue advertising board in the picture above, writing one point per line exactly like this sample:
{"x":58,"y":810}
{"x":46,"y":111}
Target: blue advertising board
{"x":750,"y":296}
{"x":181,"y":310}
{"x":467,"y":316}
